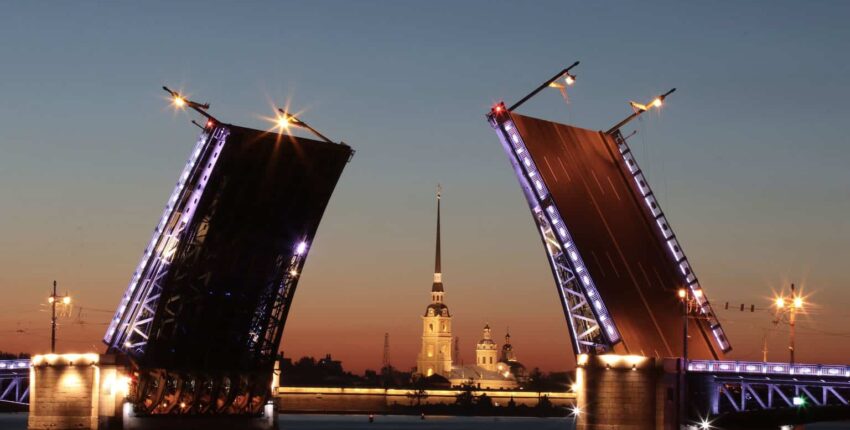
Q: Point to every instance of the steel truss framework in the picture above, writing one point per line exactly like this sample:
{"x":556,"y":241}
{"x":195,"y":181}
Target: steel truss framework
{"x":14,"y":381}
{"x":205,"y":311}
{"x":130,"y":327}
{"x":592,"y":329}
{"x":748,"y":394}
{"x":270,"y":317}
{"x":591,"y":326}
{"x":740,"y":386}
{"x":666,"y":231}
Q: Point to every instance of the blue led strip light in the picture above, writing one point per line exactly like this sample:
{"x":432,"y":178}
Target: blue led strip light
{"x":128,"y":330}
{"x":758,"y":367}
{"x":586,"y":313}
{"x":672,"y":244}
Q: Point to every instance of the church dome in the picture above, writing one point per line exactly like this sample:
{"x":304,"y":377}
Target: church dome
{"x":487,"y":341}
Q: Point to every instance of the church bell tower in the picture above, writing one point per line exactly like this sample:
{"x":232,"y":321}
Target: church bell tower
{"x":435,"y":357}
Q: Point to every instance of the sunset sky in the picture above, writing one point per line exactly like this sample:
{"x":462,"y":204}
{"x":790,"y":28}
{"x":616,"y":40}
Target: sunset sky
{"x":749,"y":158}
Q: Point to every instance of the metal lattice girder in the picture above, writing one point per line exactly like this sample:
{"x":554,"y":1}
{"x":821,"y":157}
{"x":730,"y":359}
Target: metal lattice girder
{"x":585,"y":187}
{"x":214,"y":296}
{"x":14,"y":381}
{"x":591,"y":327}
{"x":675,"y":248}
{"x":741,"y":386}
{"x":130,"y":327}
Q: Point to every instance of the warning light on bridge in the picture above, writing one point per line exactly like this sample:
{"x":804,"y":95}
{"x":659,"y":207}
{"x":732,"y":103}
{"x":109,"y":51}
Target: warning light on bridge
{"x":799,"y":401}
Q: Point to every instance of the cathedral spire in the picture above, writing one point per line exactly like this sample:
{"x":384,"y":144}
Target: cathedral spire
{"x":437,"y":287}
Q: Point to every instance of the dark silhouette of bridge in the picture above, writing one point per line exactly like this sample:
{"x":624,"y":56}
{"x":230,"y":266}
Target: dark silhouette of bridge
{"x":203,"y":316}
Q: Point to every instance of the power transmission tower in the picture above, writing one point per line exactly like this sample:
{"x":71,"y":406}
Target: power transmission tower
{"x":386,"y":363}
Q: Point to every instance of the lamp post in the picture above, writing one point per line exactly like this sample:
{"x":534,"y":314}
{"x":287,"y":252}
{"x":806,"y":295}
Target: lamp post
{"x":684,"y":296}
{"x":285,"y":119}
{"x":181,"y":102}
{"x":639,"y":109}
{"x":65,"y":300}
{"x":568,"y":80}
{"x":793,"y":305}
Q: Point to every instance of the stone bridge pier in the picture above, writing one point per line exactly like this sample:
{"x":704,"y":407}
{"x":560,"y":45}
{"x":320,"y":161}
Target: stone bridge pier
{"x":626,"y":392}
{"x":89,"y":392}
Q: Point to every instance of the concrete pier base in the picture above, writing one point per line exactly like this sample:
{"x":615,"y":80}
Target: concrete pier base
{"x":75,"y":391}
{"x":89,"y":391}
{"x":625,"y":392}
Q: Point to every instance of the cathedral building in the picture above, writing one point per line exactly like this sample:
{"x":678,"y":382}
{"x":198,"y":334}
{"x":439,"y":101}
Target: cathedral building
{"x":493,"y":368}
{"x":435,"y":357}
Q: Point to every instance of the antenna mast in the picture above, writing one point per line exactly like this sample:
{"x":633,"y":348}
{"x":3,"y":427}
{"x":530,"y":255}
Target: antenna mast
{"x":386,"y":362}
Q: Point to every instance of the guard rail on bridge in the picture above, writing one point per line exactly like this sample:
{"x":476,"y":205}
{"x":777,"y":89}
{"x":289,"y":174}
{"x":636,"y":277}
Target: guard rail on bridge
{"x":14,"y":381}
{"x":740,"y":386}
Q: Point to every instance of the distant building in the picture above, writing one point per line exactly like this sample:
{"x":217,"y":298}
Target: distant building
{"x":434,"y":362}
{"x":435,"y":357}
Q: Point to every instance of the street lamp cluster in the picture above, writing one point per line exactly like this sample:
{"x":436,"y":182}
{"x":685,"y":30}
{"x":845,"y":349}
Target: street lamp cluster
{"x":282,"y":120}
{"x":53,"y":299}
{"x":568,"y":80}
{"x":787,"y":309}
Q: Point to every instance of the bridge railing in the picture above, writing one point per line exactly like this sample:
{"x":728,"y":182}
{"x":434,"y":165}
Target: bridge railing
{"x":763,"y":368}
{"x":14,"y":381}
{"x":14,"y":364}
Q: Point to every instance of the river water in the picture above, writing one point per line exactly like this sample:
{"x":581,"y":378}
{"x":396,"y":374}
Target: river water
{"x":357,"y":422}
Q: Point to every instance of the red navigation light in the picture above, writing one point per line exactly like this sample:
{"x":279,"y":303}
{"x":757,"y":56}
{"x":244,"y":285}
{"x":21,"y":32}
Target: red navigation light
{"x":499,"y":108}
{"x":210,"y":123}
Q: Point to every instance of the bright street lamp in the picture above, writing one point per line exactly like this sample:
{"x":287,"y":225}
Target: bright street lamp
{"x":639,"y":109}
{"x":791,"y":306}
{"x":569,"y":79}
{"x":52,"y":299}
{"x":180,"y":102}
{"x":285,"y":119}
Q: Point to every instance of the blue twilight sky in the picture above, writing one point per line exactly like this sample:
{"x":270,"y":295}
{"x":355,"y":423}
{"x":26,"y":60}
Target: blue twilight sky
{"x":749,"y":157}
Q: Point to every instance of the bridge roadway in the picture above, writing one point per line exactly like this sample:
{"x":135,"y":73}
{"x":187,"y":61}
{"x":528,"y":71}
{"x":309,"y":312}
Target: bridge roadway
{"x":636,"y":275}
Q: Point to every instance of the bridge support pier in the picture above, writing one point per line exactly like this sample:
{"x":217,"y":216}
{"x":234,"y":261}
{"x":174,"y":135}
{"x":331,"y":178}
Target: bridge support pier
{"x":625,"y":392}
{"x":88,"y":392}
{"x":76,"y":391}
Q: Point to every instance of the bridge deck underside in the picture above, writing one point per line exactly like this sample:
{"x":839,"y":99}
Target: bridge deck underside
{"x":634,"y":272}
